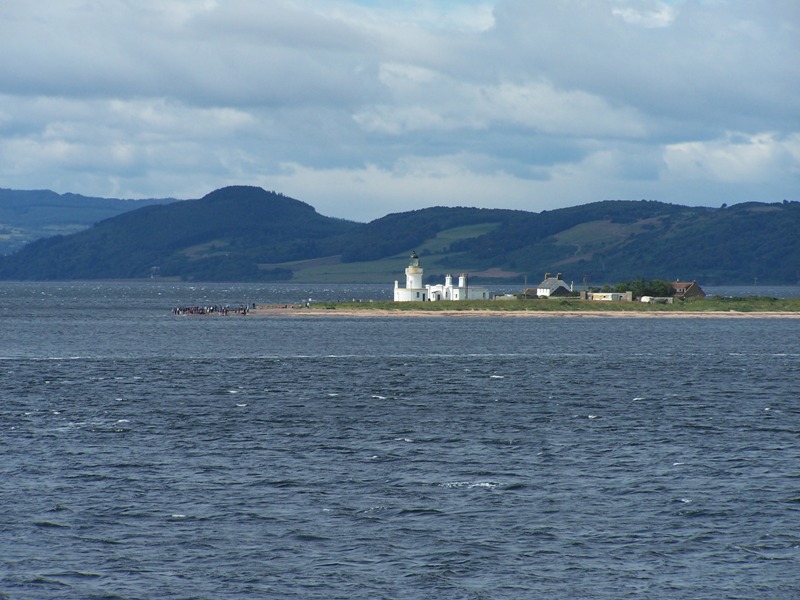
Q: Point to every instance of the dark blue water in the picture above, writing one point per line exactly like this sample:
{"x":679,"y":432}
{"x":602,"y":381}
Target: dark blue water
{"x":145,"y":455}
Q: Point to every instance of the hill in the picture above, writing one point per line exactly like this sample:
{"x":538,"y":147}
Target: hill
{"x":27,"y":215}
{"x":222,"y":236}
{"x":247,"y":234}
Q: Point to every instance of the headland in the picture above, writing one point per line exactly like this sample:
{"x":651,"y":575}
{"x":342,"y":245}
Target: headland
{"x":506,"y":314}
{"x":736,"y":308}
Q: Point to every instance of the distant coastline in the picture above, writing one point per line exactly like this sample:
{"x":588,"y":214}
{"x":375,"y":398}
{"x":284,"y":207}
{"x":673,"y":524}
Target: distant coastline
{"x":510,"y":314}
{"x":701,"y":307}
{"x":589,"y":312}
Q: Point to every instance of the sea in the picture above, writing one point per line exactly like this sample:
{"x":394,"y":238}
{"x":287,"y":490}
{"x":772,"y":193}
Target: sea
{"x":149,"y":455}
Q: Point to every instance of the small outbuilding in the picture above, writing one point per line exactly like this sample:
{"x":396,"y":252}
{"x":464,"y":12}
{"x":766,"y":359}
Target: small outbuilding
{"x":607,"y":296}
{"x":462,"y":291}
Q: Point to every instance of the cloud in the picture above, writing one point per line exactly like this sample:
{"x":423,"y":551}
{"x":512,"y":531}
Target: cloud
{"x":650,"y":14}
{"x":443,"y":103}
{"x":367,"y":107}
{"x":735,"y":158}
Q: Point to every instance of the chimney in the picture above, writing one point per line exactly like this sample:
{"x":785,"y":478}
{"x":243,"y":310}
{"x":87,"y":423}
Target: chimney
{"x":547,"y":275}
{"x":558,"y":276}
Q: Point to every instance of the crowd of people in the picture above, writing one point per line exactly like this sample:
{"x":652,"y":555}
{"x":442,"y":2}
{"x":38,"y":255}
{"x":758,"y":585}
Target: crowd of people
{"x":225,"y":310}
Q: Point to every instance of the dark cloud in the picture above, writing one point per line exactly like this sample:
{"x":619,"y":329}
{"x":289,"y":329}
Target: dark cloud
{"x":364,"y":108}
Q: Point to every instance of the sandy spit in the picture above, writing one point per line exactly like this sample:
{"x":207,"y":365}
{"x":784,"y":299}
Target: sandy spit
{"x":320,"y":312}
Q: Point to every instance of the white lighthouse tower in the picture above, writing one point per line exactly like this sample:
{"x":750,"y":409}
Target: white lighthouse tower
{"x":413,"y":291}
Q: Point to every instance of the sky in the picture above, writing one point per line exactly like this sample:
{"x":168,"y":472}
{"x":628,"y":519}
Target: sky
{"x":370,"y":107}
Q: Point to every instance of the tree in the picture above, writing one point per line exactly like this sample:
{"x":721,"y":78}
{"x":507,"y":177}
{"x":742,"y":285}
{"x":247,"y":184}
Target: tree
{"x":641,"y":287}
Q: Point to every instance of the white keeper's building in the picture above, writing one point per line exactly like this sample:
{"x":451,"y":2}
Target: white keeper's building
{"x":416,"y":292}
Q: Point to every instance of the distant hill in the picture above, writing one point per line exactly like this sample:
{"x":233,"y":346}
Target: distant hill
{"x":244,"y":233}
{"x":27,"y":215}
{"x":223,"y":236}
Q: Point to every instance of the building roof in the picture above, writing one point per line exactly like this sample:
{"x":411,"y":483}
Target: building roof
{"x":552,"y":284}
{"x":690,"y":288}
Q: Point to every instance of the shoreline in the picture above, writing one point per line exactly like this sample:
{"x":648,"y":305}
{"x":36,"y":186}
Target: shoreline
{"x":322,"y":312}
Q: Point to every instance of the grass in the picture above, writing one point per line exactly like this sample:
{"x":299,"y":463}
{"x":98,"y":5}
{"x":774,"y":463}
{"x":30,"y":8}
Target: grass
{"x":384,"y":271}
{"x":435,"y":249}
{"x":711,"y":304}
{"x":443,"y":239}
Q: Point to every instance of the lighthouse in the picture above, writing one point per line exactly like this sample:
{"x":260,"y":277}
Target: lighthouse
{"x":413,"y":290}
{"x":413,"y":272}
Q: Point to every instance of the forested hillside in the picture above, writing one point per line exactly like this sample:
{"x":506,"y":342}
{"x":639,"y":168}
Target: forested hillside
{"x":27,"y":215}
{"x":223,"y":236}
{"x":243,"y":233}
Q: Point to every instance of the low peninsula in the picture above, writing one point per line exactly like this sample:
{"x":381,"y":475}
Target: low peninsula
{"x":709,"y":307}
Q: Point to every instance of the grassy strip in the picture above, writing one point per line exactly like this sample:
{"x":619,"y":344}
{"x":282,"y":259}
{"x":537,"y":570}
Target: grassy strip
{"x":753,"y":304}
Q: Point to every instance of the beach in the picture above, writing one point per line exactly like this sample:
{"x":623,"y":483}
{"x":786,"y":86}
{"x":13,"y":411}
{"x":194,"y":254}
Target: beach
{"x":263,"y":311}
